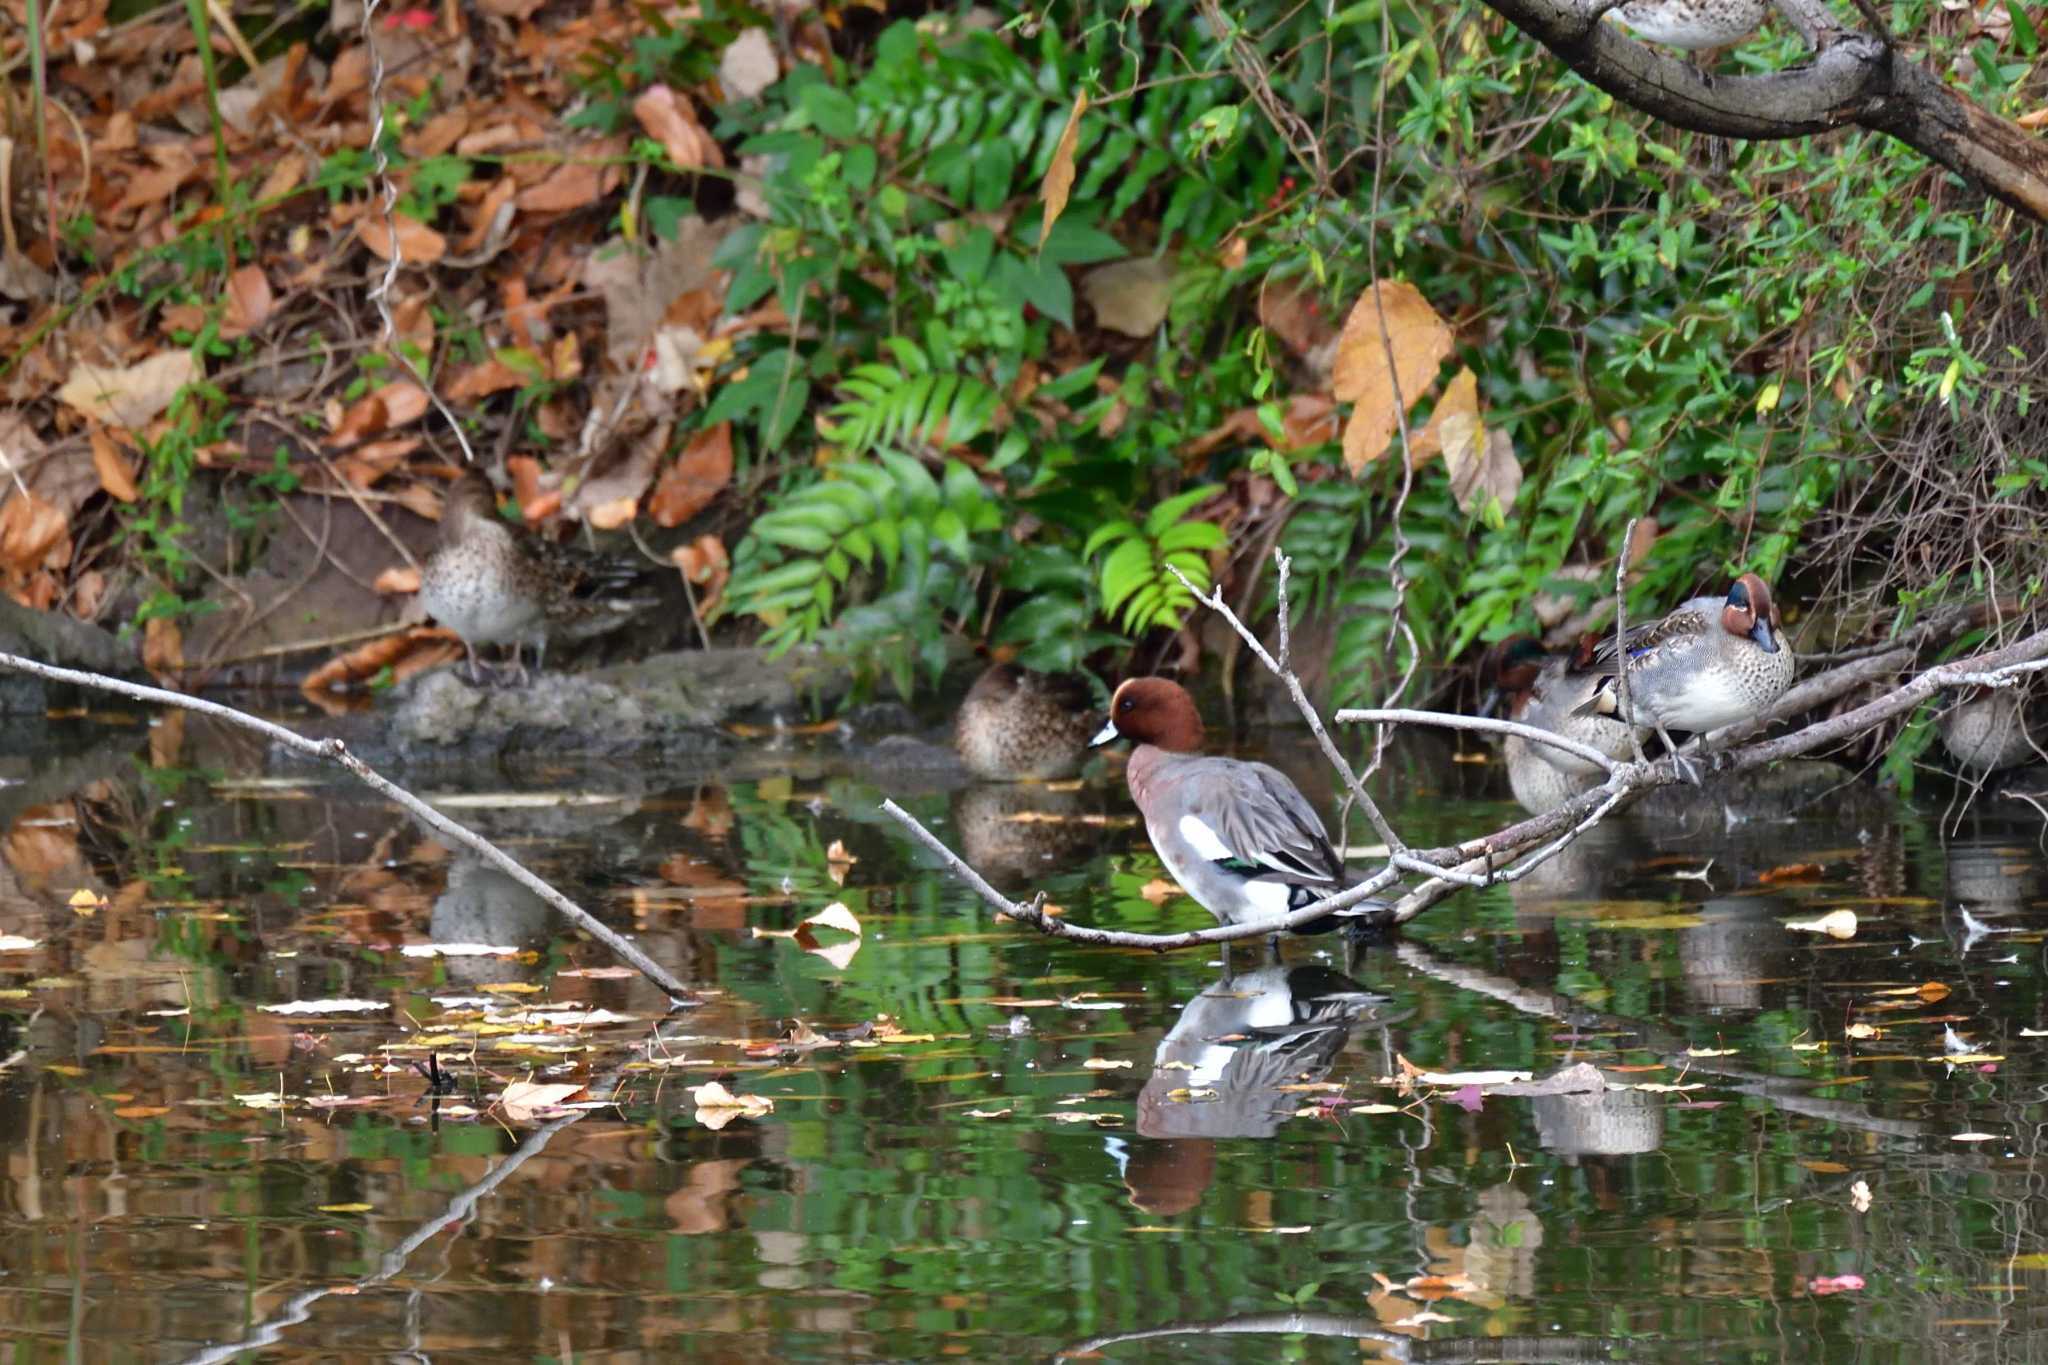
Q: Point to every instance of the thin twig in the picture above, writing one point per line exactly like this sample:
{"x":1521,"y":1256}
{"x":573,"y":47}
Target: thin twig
{"x":1214,"y":601}
{"x":380,"y":292}
{"x":1035,"y":916}
{"x":1450,"y":720}
{"x":334,"y":751}
{"x":1628,"y":715}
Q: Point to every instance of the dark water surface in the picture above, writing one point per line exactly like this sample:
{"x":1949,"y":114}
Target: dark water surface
{"x":984,"y":1144}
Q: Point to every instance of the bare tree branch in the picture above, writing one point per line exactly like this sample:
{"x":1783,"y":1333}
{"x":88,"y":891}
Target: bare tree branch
{"x":1214,"y":601}
{"x":1451,"y":720}
{"x":1853,"y":78}
{"x":334,"y":751}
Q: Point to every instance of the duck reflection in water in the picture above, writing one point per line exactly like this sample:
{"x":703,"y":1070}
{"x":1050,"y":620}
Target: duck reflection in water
{"x":483,"y":905}
{"x":1293,"y":1021}
{"x":1287,"y":1026}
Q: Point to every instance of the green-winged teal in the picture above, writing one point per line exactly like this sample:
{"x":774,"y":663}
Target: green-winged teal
{"x":1694,"y":25}
{"x":492,"y":585}
{"x":1712,"y":662}
{"x":1987,"y":729}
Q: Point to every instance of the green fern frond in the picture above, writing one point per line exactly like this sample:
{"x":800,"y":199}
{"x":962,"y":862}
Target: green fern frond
{"x":1136,"y":576}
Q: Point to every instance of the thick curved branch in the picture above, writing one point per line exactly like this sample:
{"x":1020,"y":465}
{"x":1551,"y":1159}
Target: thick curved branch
{"x":1853,"y":79}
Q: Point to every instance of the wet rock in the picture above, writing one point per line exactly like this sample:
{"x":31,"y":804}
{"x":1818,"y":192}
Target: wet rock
{"x":676,"y":704}
{"x":54,"y":637}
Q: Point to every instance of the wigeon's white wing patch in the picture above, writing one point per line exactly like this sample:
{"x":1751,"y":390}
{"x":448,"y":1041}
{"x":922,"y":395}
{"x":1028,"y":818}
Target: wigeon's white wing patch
{"x":1270,"y":899}
{"x":1207,"y":844}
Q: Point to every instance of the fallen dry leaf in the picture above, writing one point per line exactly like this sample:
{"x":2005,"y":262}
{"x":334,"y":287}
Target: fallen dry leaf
{"x":417,"y":244}
{"x":1059,"y":172}
{"x":672,"y":122}
{"x":698,"y":475}
{"x":249,"y":302}
{"x":163,"y":646}
{"x":405,"y":653}
{"x":1131,"y":296}
{"x":32,"y":532}
{"x":117,"y":476}
{"x":748,"y":65}
{"x":717,"y":1106}
{"x":130,"y":397}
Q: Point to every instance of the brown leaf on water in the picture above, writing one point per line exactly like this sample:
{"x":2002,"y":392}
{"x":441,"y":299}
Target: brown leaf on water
{"x":698,"y":475}
{"x":1368,"y":368}
{"x":524,"y":1101}
{"x":130,"y":397}
{"x":717,"y":1106}
{"x":1791,"y":872}
{"x":117,"y":476}
{"x":1059,"y":173}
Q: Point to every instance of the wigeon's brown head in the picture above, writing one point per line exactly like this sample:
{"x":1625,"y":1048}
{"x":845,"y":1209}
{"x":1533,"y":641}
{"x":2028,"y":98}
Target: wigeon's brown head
{"x":1751,"y":612}
{"x":1155,"y":711}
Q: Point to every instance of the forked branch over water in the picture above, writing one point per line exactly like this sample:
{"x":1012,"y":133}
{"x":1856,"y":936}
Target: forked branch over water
{"x":1510,"y":853}
{"x":334,"y":751}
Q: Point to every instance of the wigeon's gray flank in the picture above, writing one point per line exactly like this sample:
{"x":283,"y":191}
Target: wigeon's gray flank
{"x":1238,"y":836}
{"x":1712,"y":662}
{"x":1017,"y":725}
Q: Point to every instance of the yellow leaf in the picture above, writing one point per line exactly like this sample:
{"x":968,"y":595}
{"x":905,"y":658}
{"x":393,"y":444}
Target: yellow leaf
{"x":1059,"y":176}
{"x":1461,"y":398}
{"x":1372,"y":366}
{"x":1768,"y":399}
{"x":346,"y":1208}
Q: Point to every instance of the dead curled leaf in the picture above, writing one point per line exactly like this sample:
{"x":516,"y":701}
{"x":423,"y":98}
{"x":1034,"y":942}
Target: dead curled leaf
{"x":1371,"y":367}
{"x":523,"y":1101}
{"x":698,"y":475}
{"x":1059,"y":172}
{"x":671,"y":121}
{"x":130,"y":397}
